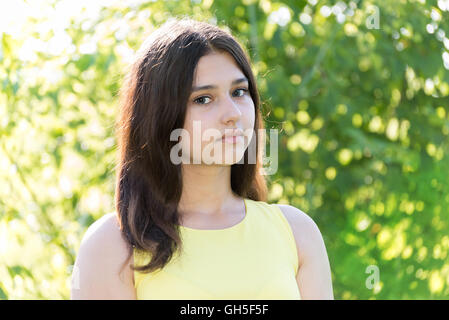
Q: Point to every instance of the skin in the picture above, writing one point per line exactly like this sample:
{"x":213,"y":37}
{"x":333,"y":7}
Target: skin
{"x":207,"y":200}
{"x":100,"y":257}
{"x":314,"y":273}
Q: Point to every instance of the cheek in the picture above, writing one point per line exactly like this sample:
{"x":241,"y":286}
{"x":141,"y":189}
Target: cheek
{"x":194,"y":127}
{"x":249,"y":116}
{"x":190,"y":118}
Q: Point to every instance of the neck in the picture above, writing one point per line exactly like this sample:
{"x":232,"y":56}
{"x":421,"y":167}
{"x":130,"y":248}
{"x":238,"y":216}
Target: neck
{"x":206,"y":190}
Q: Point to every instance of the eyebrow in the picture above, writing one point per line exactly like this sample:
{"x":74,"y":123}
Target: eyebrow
{"x":244,"y":79}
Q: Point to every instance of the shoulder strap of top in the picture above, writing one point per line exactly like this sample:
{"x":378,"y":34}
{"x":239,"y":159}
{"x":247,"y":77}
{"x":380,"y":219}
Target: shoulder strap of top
{"x":140,"y":259}
{"x":284,"y":224}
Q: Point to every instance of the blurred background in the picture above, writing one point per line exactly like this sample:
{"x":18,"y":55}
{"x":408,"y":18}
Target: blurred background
{"x":358,"y":89}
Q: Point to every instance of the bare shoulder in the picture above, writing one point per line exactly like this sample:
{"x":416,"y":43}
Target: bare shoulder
{"x":295,"y":215}
{"x":314,"y":273}
{"x":98,"y":272}
{"x":103,"y":231}
{"x":305,"y":230}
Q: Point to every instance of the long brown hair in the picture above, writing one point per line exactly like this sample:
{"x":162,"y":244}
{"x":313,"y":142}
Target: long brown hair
{"x":153,"y":103}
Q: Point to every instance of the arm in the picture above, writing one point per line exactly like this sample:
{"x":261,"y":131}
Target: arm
{"x":314,"y":274}
{"x":96,"y":274}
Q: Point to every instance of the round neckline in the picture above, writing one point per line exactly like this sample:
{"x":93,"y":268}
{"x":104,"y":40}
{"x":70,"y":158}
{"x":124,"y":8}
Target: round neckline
{"x":235,"y":226}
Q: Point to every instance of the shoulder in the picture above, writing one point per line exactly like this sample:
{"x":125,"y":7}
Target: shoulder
{"x":98,"y":267}
{"x":314,"y":274}
{"x":295,"y":214}
{"x":101,"y":232}
{"x":305,"y":230}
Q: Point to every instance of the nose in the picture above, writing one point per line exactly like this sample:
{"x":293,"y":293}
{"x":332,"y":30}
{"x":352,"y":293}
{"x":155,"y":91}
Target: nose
{"x":231,"y":111}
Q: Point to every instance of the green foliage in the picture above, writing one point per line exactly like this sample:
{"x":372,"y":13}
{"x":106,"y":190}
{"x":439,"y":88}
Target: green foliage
{"x":363,"y":114}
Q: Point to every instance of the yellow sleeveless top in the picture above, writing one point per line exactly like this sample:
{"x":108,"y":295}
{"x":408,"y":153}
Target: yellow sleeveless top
{"x":253,"y":259}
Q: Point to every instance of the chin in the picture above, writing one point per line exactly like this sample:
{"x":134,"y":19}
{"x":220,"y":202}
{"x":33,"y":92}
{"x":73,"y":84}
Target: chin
{"x":226,"y":159}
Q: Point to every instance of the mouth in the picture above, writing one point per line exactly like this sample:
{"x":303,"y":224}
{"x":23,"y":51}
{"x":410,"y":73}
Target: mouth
{"x":232,"y":137}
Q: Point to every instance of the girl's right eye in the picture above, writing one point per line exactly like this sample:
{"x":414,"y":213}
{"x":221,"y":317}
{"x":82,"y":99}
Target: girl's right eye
{"x":202,"y":97}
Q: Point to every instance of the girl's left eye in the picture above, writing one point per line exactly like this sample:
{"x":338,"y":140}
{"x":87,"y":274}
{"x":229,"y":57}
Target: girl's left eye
{"x":243,"y":89}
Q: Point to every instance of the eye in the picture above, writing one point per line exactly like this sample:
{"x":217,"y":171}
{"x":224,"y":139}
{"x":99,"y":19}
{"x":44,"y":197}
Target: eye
{"x":202,"y":97}
{"x":197,"y":100}
{"x":244,"y":91}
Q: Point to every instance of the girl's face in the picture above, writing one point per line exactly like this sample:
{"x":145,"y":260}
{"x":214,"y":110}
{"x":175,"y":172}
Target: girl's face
{"x":220,"y":103}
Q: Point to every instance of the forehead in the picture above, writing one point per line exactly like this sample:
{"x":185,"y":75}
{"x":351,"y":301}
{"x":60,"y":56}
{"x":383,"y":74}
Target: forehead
{"x":216,"y":66}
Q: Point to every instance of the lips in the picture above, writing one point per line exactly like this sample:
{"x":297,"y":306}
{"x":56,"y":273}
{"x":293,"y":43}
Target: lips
{"x":232,"y":134}
{"x":233,"y":140}
{"x":232,"y":137}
